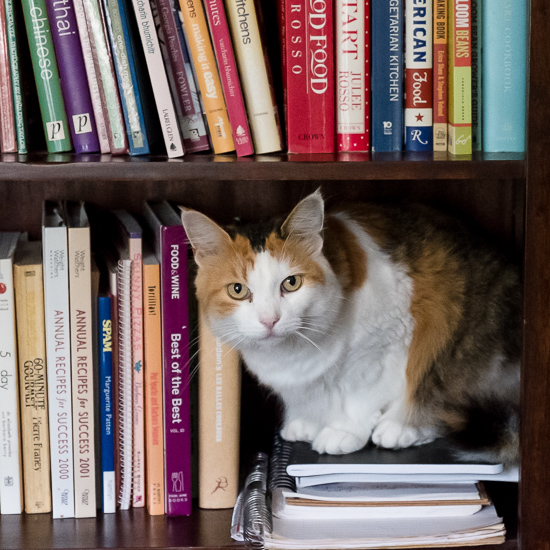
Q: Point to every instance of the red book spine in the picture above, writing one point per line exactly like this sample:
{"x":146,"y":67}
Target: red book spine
{"x":353,"y":78}
{"x":8,"y":142}
{"x":308,"y":66}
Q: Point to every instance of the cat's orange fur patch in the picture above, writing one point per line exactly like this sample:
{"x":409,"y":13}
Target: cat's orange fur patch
{"x":436,"y":305}
{"x":344,"y":254}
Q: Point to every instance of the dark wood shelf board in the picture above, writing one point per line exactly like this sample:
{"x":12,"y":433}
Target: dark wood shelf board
{"x":345,"y":167}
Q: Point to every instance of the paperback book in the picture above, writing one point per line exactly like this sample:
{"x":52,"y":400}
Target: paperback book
{"x":8,"y":135}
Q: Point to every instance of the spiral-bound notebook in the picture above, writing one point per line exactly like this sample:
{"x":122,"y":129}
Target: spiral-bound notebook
{"x":125,"y":420}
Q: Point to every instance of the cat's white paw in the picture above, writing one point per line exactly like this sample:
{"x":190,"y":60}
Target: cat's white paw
{"x":337,"y":442}
{"x":299,"y":430}
{"x":392,"y":434}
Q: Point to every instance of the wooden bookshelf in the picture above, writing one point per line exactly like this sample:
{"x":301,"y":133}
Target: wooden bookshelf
{"x":507,"y":195}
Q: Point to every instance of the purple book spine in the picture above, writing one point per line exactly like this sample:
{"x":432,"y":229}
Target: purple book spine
{"x":175,"y":343}
{"x":72,"y":72}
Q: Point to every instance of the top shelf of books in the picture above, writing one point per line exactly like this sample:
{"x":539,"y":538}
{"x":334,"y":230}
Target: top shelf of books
{"x":299,"y":167}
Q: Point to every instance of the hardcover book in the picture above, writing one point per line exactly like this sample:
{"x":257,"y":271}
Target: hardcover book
{"x":105,"y":71}
{"x":418,"y":75}
{"x":154,"y":425}
{"x":93,"y":77}
{"x":13,"y":38}
{"x":440,"y":36}
{"x":353,"y":77}
{"x":307,"y":40}
{"x":46,"y":76}
{"x":255,"y":74}
{"x":159,"y":81}
{"x":387,"y":75}
{"x":116,"y":21}
{"x":477,"y":76}
{"x":8,"y":135}
{"x":11,"y":480}
{"x":165,"y":16}
{"x":74,"y":84}
{"x":229,"y":77}
{"x":204,"y":62}
{"x":31,"y":344}
{"x":504,"y":75}
{"x":55,"y":255}
{"x":219,"y":420}
{"x":460,"y":77}
{"x":80,"y":302}
{"x":170,"y":244}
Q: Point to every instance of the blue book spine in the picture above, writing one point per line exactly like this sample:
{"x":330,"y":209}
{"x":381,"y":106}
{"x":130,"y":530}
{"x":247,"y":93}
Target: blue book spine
{"x":117,"y":24}
{"x":387,"y":75}
{"x":106,"y":403}
{"x":504,"y":54}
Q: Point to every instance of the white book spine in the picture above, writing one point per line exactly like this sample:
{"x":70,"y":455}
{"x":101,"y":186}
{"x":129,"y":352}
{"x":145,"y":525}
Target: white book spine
{"x":255,"y":78}
{"x":158,"y":78}
{"x":80,"y":299}
{"x":11,"y":501}
{"x":58,"y":356}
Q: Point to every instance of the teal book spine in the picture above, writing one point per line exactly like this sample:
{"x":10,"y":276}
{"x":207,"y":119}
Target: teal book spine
{"x":17,"y":92}
{"x":46,"y":76}
{"x":504,"y":59}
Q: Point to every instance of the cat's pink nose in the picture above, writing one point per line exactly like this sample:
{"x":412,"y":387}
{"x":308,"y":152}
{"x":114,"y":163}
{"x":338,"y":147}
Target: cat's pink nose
{"x":269,"y":322}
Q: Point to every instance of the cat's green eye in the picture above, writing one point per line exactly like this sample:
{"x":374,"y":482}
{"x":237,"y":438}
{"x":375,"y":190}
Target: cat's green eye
{"x":292,"y":283}
{"x":238,"y":291}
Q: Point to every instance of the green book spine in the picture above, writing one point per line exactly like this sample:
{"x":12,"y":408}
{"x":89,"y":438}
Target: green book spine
{"x":18,"y":106}
{"x":46,"y":76}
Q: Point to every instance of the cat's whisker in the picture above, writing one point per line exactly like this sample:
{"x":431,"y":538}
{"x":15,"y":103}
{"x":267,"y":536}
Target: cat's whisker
{"x":308,"y":340}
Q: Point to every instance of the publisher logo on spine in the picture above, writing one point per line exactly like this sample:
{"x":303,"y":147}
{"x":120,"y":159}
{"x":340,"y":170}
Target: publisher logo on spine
{"x":55,"y":130}
{"x":82,"y":123}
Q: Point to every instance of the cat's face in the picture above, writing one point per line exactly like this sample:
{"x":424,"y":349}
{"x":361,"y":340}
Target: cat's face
{"x":269,"y":287}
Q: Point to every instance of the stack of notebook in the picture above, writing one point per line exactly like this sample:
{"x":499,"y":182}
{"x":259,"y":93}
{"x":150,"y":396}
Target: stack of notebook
{"x":373,"y":498}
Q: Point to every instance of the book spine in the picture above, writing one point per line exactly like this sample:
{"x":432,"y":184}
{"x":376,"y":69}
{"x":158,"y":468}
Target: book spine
{"x":202,"y":54}
{"x":255,"y":75}
{"x":219,"y":420}
{"x":175,"y":345}
{"x":115,"y":17}
{"x":154,"y":425}
{"x":164,"y":16}
{"x":46,"y":76}
{"x":8,"y":137}
{"x":58,"y":357}
{"x":159,"y":81}
{"x":387,"y":76}
{"x":440,"y":35}
{"x":99,"y":108}
{"x":31,"y":342}
{"x":197,"y":125}
{"x":460,"y":77}
{"x":105,"y":70}
{"x":308,"y":52}
{"x":17,"y":92}
{"x":105,"y":337}
{"x":418,"y":75}
{"x":229,"y":76}
{"x":11,"y":483}
{"x":352,"y":75}
{"x":477,"y":77}
{"x":74,"y":84}
{"x":82,"y":370}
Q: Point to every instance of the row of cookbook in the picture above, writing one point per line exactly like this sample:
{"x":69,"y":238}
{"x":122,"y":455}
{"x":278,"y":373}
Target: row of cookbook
{"x":133,"y":76}
{"x":95,"y":325}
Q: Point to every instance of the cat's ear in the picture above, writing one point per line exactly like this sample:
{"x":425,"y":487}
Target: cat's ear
{"x":305,"y":222}
{"x":207,"y":238}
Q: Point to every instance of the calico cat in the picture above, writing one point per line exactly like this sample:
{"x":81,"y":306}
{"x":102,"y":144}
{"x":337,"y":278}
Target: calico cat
{"x":388,"y":323}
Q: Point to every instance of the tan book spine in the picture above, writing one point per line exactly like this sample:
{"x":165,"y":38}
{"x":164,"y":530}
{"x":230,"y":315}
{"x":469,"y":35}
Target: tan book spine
{"x":154,"y":426}
{"x":31,"y":341}
{"x":219,"y":420}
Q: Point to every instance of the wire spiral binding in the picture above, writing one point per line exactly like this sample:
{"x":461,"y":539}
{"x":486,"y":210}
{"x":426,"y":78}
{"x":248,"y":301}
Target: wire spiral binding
{"x":256,"y":512}
{"x":124,"y":383}
{"x":278,"y":463}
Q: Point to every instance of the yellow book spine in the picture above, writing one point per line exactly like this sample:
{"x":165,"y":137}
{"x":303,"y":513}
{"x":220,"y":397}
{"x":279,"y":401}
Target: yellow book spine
{"x":202,"y":54}
{"x":31,"y":341}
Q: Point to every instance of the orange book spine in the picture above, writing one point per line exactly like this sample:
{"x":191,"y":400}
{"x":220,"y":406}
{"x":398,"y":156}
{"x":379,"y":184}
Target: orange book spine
{"x":154,"y":439}
{"x":198,"y":38}
{"x":219,"y":420}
